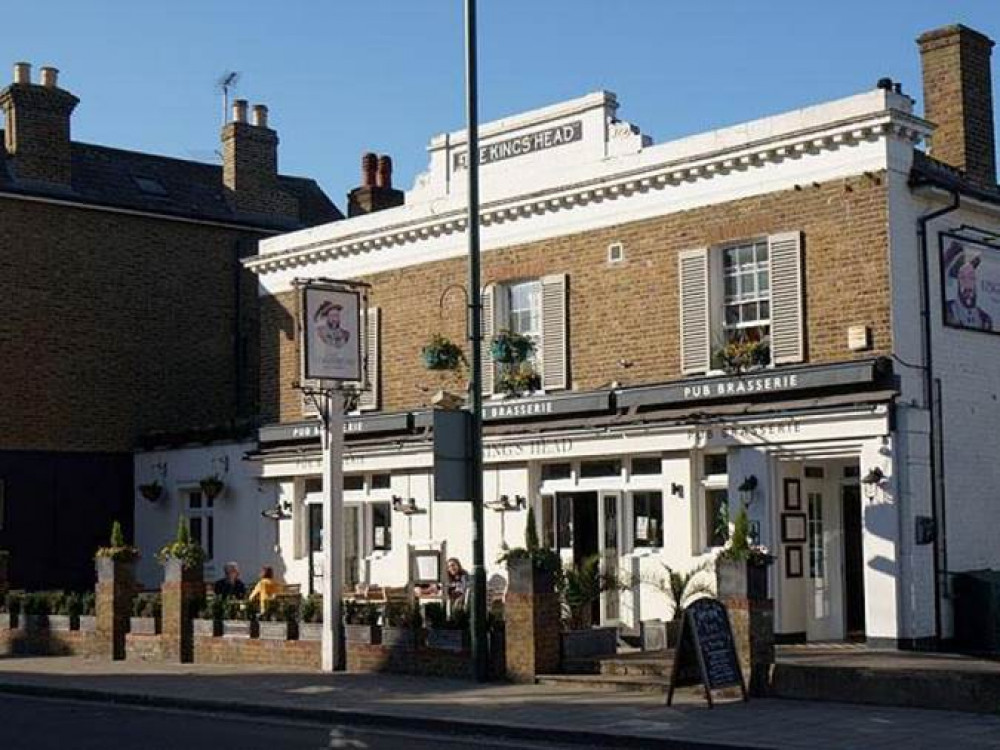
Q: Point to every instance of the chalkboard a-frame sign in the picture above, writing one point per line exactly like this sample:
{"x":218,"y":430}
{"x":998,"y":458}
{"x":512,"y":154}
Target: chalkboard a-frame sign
{"x":706,"y":651}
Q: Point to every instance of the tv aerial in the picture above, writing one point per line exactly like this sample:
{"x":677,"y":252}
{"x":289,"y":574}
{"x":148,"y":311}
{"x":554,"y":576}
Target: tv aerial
{"x":226,"y":83}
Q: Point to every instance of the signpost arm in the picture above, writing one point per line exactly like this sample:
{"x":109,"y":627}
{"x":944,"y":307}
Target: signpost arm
{"x":333,"y":526}
{"x":480,"y":656}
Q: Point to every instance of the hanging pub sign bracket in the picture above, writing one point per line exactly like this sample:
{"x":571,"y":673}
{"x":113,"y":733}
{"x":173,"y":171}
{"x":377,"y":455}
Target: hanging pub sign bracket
{"x":706,"y":651}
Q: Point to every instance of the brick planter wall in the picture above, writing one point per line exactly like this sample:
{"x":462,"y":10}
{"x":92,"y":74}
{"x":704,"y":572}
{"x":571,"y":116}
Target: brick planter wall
{"x":115,"y":589}
{"x":145,"y":647}
{"x":181,"y":588}
{"x":19,"y":642}
{"x":422,"y":661}
{"x":752,"y":621}
{"x":251,"y":651}
{"x":532,"y":621}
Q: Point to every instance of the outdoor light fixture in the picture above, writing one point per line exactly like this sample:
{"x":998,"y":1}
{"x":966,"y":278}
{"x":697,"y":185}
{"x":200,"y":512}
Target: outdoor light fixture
{"x":677,"y":490}
{"x":504,"y":503}
{"x":747,"y":489}
{"x":278,"y":512}
{"x":872,"y":480}
{"x":407,"y":506}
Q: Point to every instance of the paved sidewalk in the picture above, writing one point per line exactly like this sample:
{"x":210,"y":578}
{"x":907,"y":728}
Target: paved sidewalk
{"x":540,"y":712}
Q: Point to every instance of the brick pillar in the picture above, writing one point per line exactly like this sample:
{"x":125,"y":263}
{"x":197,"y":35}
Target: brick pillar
{"x":531,"y":622}
{"x":182,"y":588}
{"x":743,"y":590}
{"x":115,"y":589}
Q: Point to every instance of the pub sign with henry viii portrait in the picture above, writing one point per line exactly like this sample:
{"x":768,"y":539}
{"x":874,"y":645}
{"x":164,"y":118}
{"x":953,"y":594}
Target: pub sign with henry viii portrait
{"x":970,"y":284}
{"x":331,"y":321}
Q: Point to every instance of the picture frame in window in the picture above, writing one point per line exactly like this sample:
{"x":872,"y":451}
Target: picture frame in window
{"x":793,"y":527}
{"x":426,"y":566}
{"x":793,"y":562}
{"x":792,"y":494}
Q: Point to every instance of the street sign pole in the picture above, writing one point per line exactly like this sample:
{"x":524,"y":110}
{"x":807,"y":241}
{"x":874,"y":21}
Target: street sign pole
{"x":480,"y":646}
{"x":333,"y":526}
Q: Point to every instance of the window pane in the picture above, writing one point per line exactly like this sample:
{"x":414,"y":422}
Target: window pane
{"x":313,"y":484}
{"x":354,"y":482}
{"x":732,"y":315}
{"x":564,"y":521}
{"x":716,"y":517}
{"x":728,"y":257}
{"x":194,"y":524}
{"x":381,"y":481}
{"x":715,"y":463}
{"x":548,"y":530}
{"x":556,"y":471}
{"x":730,"y":287}
{"x":648,"y":519}
{"x":315,"y":527}
{"x":748,"y":311}
{"x":381,"y":526}
{"x":745,"y":255}
{"x":763,"y":281}
{"x":765,"y":310}
{"x":646,"y":465}
{"x":606,"y":468}
{"x":210,"y":541}
{"x":194,"y":500}
{"x":762,"y":253}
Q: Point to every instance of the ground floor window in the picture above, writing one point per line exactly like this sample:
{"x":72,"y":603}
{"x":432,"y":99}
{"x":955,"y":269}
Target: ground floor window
{"x":647,"y":519}
{"x":381,"y":515}
{"x":201,"y":521}
{"x":716,"y":517}
{"x":817,"y":555}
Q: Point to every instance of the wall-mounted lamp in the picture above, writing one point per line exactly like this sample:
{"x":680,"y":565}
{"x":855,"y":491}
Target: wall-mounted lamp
{"x":222,"y":462}
{"x":872,"y":481}
{"x":407,"y":506}
{"x":278,"y":512}
{"x":747,"y":489}
{"x":677,"y":490}
{"x":504,"y":503}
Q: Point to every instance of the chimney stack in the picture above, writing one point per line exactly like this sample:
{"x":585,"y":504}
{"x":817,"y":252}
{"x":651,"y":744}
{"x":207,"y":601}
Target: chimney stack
{"x":250,"y":164}
{"x":37,"y":132}
{"x":958,"y":99}
{"x":376,"y":192}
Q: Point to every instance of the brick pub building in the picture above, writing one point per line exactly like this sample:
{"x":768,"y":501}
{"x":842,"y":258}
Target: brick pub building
{"x":124,"y":311}
{"x":849,"y":246}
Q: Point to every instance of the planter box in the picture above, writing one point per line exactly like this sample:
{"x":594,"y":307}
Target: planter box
{"x":239,"y":628}
{"x":174,"y":572}
{"x":582,"y":644}
{"x":737,"y":579}
{"x":143,"y":626}
{"x":109,"y":571}
{"x":369,"y":635}
{"x":447,"y":639}
{"x":653,"y":635}
{"x":62,"y":623}
{"x":8,"y":621}
{"x":310,"y":631}
{"x":398,"y":637}
{"x":209,"y":628}
{"x":34,"y":623}
{"x":524,"y":578}
{"x":277,"y":631}
{"x":87,"y":624}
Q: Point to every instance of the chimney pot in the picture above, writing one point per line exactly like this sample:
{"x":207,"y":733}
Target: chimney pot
{"x":240,"y":110}
{"x":50,"y":77}
{"x":22,"y":72}
{"x":369,"y":165}
{"x":260,"y":115}
{"x":885,"y":84}
{"x":383,"y":174}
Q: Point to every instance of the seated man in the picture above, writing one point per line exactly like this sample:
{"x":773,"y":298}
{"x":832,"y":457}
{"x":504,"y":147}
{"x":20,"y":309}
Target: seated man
{"x":230,"y":584}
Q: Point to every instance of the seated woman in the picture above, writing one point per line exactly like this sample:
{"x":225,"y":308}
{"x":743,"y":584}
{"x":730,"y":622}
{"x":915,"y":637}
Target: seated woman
{"x":266,"y":589}
{"x":457,"y":583}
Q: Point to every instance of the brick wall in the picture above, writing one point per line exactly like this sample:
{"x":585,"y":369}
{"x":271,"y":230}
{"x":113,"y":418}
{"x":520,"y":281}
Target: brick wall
{"x":627,"y":310}
{"x":20,"y":642}
{"x":419,"y":661}
{"x":305,"y":654}
{"x":129,"y":325}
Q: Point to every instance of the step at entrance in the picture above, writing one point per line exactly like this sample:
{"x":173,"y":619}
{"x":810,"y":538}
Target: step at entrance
{"x":612,"y":683}
{"x":636,"y":671}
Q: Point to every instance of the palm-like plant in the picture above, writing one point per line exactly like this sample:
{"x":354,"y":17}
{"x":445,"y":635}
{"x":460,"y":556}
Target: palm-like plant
{"x":581,"y":586}
{"x":683,"y":587}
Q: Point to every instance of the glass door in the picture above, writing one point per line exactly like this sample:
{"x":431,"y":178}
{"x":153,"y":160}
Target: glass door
{"x":824,"y":604}
{"x":611,"y":503}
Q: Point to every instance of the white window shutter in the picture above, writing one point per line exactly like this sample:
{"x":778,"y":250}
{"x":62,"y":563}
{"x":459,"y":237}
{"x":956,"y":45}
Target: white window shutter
{"x":787,"y":315}
{"x":488,"y":328}
{"x":554,"y":345}
{"x":369,"y":400}
{"x":695,"y":319}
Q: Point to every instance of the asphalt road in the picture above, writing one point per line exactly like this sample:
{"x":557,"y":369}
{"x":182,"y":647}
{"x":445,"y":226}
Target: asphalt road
{"x":51,"y":724}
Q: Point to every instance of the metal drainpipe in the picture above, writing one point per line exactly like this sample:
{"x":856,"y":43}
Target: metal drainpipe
{"x":940,"y":560}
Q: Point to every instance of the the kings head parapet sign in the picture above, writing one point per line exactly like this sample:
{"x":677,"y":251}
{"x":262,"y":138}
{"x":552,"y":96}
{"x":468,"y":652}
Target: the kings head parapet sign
{"x":330,"y":330}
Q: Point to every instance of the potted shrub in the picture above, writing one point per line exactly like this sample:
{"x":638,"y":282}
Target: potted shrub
{"x":442,"y":354}
{"x":240,"y":619}
{"x":311,"y":619}
{"x":87,"y":621}
{"x":182,"y":559}
{"x":741,"y":566}
{"x":448,"y":633}
{"x":152,"y":491}
{"x":146,"y":616}
{"x":211,"y":613}
{"x":59,"y":617}
{"x":212,"y":486}
{"x":278,"y":621}
{"x":518,"y":379}
{"x":361,"y":623}
{"x":10,"y":610}
{"x":402,"y":623}
{"x":35,"y":612}
{"x":741,"y":355}
{"x":680,"y":589}
{"x":117,"y":558}
{"x":581,"y":590}
{"x":508,"y":347}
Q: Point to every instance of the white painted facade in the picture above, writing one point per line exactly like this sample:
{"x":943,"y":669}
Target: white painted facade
{"x":612,"y":175}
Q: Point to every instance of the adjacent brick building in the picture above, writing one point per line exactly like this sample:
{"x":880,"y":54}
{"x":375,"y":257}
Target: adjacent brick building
{"x":853,"y":275}
{"x":124,"y":312}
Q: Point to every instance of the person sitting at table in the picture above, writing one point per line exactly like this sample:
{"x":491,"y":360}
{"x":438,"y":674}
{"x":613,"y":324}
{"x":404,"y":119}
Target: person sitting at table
{"x":266,"y":589}
{"x":457,"y":583}
{"x":230,"y":584}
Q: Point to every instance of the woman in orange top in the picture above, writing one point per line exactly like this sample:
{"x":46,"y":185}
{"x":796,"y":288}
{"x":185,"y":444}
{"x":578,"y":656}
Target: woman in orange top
{"x":266,"y":589}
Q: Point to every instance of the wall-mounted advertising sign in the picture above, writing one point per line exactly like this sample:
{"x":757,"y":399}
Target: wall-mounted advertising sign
{"x":331,"y":341}
{"x":970,"y":284}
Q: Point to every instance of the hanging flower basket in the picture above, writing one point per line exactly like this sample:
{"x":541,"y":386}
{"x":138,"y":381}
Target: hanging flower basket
{"x":442,"y":354}
{"x":508,"y":347}
{"x":212,"y":487}
{"x":517,"y":380}
{"x":152,"y":491}
{"x":737,"y":357}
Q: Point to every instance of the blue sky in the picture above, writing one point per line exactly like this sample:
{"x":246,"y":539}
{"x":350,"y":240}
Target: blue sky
{"x":345,"y":76}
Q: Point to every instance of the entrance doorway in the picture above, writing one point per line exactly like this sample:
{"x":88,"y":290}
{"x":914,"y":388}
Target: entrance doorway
{"x":854,"y":563}
{"x":589,"y":524}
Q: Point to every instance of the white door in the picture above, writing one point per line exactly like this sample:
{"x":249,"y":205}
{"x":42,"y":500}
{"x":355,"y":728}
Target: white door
{"x":823,"y":563}
{"x":610,"y":534}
